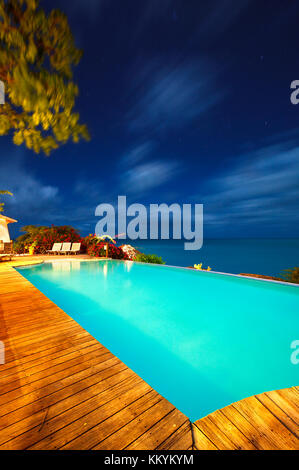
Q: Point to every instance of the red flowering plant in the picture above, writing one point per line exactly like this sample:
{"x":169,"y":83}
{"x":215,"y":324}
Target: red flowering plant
{"x":96,"y":246}
{"x":43,"y":238}
{"x":116,"y":252}
{"x":63,"y":234}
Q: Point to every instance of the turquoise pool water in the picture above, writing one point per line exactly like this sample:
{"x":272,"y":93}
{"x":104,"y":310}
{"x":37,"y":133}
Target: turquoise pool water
{"x":202,"y":340}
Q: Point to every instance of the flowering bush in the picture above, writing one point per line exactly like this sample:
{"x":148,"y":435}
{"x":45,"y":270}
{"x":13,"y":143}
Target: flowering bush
{"x":42,"y":239}
{"x":99,"y":249}
{"x":93,"y":239}
{"x":96,"y":246}
{"x":130,"y":251}
{"x":45,"y":240}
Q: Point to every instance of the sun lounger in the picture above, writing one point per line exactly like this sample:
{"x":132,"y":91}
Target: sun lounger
{"x":6,"y":248}
{"x":66,"y":248}
{"x":56,"y":248}
{"x":75,"y":248}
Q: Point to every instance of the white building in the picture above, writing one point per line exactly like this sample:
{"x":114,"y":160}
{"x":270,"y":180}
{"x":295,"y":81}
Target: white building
{"x":4,"y":233}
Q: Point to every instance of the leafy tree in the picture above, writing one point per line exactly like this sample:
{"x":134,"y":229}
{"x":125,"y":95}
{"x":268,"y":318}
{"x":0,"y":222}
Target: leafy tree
{"x":29,"y":234}
{"x":37,"y":52}
{"x":291,"y":275}
{"x":2,"y":203}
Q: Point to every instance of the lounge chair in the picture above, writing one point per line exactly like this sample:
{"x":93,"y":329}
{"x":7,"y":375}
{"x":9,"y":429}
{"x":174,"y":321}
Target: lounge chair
{"x":6,"y":248}
{"x":56,"y":248}
{"x":6,"y":251}
{"x":66,"y":248}
{"x":75,"y":248}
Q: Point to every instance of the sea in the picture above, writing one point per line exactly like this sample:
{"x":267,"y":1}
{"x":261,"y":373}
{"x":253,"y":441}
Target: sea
{"x":253,"y":256}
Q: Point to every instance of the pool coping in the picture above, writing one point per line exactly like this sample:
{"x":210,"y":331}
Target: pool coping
{"x":209,"y":272}
{"x":65,"y":258}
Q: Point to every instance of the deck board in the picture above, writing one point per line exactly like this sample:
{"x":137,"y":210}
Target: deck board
{"x":60,"y":388}
{"x":265,"y":421}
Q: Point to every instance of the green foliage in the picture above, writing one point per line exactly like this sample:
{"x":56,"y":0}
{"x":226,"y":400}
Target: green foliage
{"x":37,"y":52}
{"x":291,"y":275}
{"x":143,"y":258}
{"x":30,"y":232}
{"x":2,"y":203}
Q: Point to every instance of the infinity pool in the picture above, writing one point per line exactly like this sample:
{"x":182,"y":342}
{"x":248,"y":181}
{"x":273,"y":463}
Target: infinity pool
{"x":202,"y":340}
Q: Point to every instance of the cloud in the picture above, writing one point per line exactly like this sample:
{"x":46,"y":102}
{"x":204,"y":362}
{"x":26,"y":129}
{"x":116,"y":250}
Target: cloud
{"x":170,"y":97}
{"x":35,"y":202}
{"x":31,"y":197}
{"x":88,"y":189}
{"x":137,"y":154}
{"x":261,"y":189}
{"x":146,"y":176}
{"x":141,"y":171}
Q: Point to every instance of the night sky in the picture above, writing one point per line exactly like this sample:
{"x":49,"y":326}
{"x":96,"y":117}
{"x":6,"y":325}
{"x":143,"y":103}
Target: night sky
{"x":186,"y":101}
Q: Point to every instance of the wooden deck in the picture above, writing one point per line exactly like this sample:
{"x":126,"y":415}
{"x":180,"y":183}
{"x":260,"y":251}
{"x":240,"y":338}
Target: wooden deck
{"x":269,"y":421}
{"x":61,"y":389}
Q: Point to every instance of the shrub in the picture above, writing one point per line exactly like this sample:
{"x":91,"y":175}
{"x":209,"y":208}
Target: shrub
{"x":130,"y":251}
{"x":99,"y":249}
{"x":43,"y":238}
{"x":291,"y":275}
{"x":96,"y":246}
{"x":30,"y":231}
{"x":93,"y":239}
{"x":143,"y":258}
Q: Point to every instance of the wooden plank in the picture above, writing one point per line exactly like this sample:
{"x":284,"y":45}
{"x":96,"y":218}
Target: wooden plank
{"x":266,"y":421}
{"x":215,"y":434}
{"x":110,"y":434}
{"x":220,"y":421}
{"x":201,"y":441}
{"x":86,"y":415}
{"x":156,"y":434}
{"x":57,"y":351}
{"x":62,"y":384}
{"x":28,"y":416}
{"x":246,"y":426}
{"x":181,"y":439}
{"x":61,"y":388}
{"x":32,"y":416}
{"x":280,"y":413}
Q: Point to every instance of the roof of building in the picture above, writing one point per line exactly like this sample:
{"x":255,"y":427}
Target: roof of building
{"x":7,"y":219}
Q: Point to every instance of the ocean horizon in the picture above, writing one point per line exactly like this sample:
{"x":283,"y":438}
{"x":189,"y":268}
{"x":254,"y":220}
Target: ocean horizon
{"x":267,"y":256}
